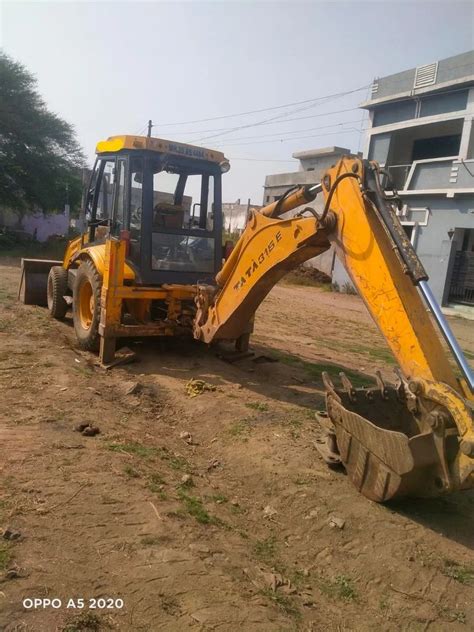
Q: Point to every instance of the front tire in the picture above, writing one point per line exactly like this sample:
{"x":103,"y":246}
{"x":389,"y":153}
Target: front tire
{"x":56,"y":291}
{"x":86,"y":306}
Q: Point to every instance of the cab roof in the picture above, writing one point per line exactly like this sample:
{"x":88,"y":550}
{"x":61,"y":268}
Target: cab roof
{"x":117,"y":143}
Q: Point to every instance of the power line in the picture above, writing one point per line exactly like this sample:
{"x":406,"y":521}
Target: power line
{"x":297,"y":131}
{"x":276,"y":107}
{"x":298,"y":118}
{"x":279,"y":116}
{"x":285,"y":140}
{"x":262,"y":160}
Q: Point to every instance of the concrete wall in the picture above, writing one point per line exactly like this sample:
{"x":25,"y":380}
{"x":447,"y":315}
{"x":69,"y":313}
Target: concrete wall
{"x":235,"y":215}
{"x":278,"y":183}
{"x":433,"y":245}
{"x":450,"y":69}
{"x":38,"y":225}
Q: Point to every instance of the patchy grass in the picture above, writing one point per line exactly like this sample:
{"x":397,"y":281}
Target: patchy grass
{"x":137,"y":449}
{"x":175,"y":461}
{"x":87,"y":622}
{"x":240,"y":428}
{"x":452,"y":615}
{"x":5,"y":556}
{"x":219,"y":498}
{"x":195,"y":508}
{"x":265,"y":549}
{"x":301,"y":480}
{"x":188,"y":484}
{"x":169,"y":604}
{"x":284,"y":603}
{"x":341,"y":587}
{"x":458,"y":572}
{"x":315,"y":369}
{"x":5,"y":296}
{"x":262,"y":407}
{"x":86,"y":371}
{"x":374,"y":353}
{"x":371,"y":350}
{"x":5,"y":324}
{"x":237,"y":509}
{"x":131,"y":472}
{"x":155,"y":484}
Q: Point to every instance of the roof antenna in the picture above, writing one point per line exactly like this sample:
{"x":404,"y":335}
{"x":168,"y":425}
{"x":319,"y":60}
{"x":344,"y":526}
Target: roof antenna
{"x":150,"y":125}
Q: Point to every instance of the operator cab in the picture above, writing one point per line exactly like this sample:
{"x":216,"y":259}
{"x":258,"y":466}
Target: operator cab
{"x":164,"y":198}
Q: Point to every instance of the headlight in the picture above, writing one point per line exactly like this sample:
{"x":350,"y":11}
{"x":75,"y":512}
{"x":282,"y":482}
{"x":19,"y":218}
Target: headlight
{"x":225,"y":166}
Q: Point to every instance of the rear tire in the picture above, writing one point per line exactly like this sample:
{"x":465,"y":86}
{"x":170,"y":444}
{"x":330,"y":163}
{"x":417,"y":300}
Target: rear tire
{"x":86,"y":306}
{"x":56,"y":290}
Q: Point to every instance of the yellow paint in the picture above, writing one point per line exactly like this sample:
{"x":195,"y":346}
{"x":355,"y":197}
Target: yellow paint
{"x":116,"y":143}
{"x":73,"y":247}
{"x":98,"y":255}
{"x":463,"y":467}
{"x":86,"y":304}
{"x":267,"y":249}
{"x":390,"y":296}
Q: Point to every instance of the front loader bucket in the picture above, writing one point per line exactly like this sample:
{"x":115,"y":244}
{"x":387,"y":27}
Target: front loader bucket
{"x":377,"y":435}
{"x":34,"y":280}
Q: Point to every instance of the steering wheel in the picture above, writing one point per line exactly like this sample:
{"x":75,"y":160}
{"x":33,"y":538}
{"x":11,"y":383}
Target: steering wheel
{"x":100,"y":222}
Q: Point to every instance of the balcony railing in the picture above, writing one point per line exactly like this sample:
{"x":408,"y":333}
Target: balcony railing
{"x":462,"y":283}
{"x":435,"y":174}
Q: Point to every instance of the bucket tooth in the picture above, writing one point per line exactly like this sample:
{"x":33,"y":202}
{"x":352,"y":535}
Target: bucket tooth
{"x":381,"y":385}
{"x":329,"y":386}
{"x":347,"y":386}
{"x":369,"y":393}
{"x":401,"y":385}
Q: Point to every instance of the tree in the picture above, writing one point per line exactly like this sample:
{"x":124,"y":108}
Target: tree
{"x":39,"y":154}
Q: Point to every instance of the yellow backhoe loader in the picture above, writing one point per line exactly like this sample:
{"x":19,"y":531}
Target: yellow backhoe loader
{"x":152,"y":264}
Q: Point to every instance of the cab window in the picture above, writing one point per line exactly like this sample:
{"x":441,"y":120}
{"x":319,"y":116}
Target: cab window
{"x":106,"y":187}
{"x":119,"y":211}
{"x":182,"y":219}
{"x":136,"y":203}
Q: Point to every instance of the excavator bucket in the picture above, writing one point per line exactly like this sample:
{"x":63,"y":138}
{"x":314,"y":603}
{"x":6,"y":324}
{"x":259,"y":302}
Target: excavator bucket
{"x":381,"y":439}
{"x":34,"y":280}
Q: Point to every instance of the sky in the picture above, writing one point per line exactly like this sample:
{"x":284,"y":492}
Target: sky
{"x":107,"y":67}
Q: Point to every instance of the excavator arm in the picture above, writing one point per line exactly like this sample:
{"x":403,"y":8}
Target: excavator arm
{"x":414,"y":438}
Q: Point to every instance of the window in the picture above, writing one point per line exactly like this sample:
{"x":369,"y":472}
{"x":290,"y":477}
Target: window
{"x":182,"y":211}
{"x":119,"y":217}
{"x":394,"y":113}
{"x":440,"y":103}
{"x":136,"y":180}
{"x":104,"y":197}
{"x":437,"y":147}
{"x":379,"y":147}
{"x":182,"y":200}
{"x":182,"y":252}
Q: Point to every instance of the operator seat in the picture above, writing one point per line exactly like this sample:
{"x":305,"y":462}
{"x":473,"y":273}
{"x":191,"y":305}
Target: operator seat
{"x":168,"y":215}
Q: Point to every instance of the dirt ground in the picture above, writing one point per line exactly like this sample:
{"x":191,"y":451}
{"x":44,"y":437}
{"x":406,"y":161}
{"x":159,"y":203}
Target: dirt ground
{"x":210,"y":512}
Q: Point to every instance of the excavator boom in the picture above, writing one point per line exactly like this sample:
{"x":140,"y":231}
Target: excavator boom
{"x":416,"y":438}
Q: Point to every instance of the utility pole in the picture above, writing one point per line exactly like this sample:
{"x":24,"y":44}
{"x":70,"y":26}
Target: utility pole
{"x":150,"y":125}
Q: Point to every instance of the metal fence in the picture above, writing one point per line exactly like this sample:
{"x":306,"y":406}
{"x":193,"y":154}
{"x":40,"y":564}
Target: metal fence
{"x":462,"y":281}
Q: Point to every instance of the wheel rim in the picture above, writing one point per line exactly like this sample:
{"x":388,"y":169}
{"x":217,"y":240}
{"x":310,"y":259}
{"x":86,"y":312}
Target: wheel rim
{"x":86,"y":305}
